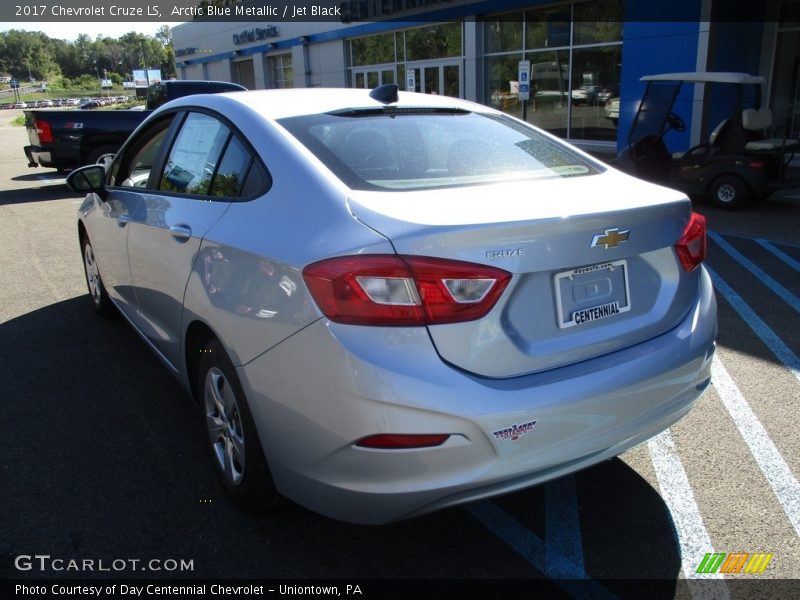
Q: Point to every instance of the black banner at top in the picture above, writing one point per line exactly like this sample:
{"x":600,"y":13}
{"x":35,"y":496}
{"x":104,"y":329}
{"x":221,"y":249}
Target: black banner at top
{"x":343,"y":11}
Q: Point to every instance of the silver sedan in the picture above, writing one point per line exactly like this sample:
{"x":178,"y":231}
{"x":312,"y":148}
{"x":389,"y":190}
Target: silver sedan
{"x":389,"y":303}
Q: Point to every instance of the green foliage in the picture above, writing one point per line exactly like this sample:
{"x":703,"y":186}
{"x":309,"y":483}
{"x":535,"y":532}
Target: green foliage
{"x":25,"y":54}
{"x":86,"y":82}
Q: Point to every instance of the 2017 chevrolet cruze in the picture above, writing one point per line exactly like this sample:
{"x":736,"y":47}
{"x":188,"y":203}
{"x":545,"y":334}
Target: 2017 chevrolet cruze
{"x":389,"y":303}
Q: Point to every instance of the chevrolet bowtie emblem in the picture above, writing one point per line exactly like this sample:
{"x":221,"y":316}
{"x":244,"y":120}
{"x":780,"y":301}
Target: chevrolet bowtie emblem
{"x":611,"y":238}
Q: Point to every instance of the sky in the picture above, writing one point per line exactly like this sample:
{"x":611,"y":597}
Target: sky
{"x":70,"y":31}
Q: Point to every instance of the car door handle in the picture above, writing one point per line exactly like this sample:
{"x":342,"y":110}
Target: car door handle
{"x":123,"y":220}
{"x":181,"y":232}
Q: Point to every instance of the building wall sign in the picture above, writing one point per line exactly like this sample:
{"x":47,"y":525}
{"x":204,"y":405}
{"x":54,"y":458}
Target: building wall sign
{"x":253,"y":35}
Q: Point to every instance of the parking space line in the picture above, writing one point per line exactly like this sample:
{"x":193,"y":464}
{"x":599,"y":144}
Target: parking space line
{"x":562,"y":539}
{"x":780,"y":254}
{"x":757,"y":324}
{"x":676,"y":491}
{"x":779,"y":476}
{"x":768,"y":281}
{"x":534,"y":550}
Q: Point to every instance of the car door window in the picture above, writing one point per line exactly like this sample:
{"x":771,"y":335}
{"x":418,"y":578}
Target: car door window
{"x":134,"y":167}
{"x":194,"y":156}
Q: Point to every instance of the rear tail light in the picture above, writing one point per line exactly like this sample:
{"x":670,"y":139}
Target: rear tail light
{"x":44,"y":131}
{"x":691,"y":247}
{"x":401,"y":441}
{"x":403,"y":290}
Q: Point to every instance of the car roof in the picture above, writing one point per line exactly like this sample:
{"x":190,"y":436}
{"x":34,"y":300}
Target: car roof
{"x":278,"y":104}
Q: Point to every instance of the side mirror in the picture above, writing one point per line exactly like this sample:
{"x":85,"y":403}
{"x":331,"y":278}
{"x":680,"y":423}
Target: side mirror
{"x":90,"y":178}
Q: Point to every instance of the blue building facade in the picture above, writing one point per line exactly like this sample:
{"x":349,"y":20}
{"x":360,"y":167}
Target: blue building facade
{"x":586,"y":57}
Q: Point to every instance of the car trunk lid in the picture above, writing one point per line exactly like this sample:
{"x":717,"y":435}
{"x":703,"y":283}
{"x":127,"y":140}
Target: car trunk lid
{"x":593,"y":263}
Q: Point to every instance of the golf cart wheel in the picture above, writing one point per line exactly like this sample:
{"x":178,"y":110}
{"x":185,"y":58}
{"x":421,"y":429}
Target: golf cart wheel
{"x":729,"y":192}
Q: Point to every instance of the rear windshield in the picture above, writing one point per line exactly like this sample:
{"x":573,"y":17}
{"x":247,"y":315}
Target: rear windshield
{"x":396,"y":149}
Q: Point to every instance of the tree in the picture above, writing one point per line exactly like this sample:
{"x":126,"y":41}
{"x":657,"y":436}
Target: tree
{"x":26,"y":54}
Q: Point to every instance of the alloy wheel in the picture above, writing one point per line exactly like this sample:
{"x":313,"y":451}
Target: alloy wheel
{"x":224,"y":423}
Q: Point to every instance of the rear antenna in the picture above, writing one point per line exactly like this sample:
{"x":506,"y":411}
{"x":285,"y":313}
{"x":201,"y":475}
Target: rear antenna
{"x":386,"y":93}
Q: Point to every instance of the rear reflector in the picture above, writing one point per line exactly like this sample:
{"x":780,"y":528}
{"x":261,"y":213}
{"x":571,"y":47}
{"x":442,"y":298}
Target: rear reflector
{"x":398,"y":441}
{"x":691,"y":248}
{"x":386,"y":289}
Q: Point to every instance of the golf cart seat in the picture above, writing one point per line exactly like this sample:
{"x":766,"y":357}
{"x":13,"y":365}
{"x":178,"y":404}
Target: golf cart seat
{"x":761,"y":120}
{"x":714,"y":141}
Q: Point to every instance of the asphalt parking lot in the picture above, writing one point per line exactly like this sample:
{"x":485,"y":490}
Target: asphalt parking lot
{"x":104,"y":459}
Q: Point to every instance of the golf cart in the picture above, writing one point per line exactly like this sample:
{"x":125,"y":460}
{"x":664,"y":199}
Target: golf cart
{"x":738,"y":163}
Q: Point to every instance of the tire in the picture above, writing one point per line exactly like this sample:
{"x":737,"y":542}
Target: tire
{"x":233,"y":441}
{"x":729,"y":193}
{"x":95,"y":155}
{"x":97,"y":291}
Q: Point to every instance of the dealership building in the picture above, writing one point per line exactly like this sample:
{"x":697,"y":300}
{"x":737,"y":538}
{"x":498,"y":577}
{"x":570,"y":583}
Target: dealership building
{"x":582,"y":55}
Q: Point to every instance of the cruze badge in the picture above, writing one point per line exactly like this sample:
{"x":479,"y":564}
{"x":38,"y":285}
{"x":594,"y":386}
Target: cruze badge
{"x":514,"y":432}
{"x":611,"y":238}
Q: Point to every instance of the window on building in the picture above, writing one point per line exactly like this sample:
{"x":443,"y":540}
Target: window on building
{"x":575,"y":51}
{"x":282,"y":74}
{"x":430,"y":55}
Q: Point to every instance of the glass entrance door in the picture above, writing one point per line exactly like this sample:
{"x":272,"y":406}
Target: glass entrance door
{"x":439,"y":77}
{"x":372,"y":77}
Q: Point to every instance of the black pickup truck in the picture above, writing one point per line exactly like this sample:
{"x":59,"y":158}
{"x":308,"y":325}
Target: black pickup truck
{"x":67,"y":139}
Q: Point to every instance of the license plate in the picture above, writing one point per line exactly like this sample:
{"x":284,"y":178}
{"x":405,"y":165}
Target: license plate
{"x":592,"y":293}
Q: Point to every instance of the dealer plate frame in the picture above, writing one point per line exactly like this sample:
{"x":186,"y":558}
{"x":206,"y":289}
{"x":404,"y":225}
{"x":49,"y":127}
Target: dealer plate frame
{"x":596,"y":268}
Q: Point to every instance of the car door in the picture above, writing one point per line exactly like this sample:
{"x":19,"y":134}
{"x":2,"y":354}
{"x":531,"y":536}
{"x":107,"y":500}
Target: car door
{"x":110,"y":224}
{"x":201,"y":175}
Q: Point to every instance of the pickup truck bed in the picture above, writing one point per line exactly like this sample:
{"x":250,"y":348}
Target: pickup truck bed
{"x":66,"y":139}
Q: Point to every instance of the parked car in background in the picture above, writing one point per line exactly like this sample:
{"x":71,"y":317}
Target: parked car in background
{"x":587,"y":94}
{"x":612,"y":110}
{"x":377,"y":303}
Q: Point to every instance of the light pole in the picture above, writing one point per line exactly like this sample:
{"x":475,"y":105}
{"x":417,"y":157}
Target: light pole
{"x":146,"y":70}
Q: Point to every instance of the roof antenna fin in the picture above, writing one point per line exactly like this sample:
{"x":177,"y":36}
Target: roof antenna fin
{"x":386,"y":93}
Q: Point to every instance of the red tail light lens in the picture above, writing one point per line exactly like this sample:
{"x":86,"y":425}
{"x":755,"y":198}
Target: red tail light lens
{"x":403,"y":290}
{"x":691,"y":247}
{"x":400,"y":441}
{"x":44,"y":131}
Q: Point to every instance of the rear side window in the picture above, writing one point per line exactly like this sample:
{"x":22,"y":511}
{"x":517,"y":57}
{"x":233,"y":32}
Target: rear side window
{"x":232,"y":170}
{"x":396,"y":149}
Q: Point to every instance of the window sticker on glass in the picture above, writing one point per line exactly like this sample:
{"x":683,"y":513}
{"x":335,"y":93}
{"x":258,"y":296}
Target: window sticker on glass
{"x":194,"y":156}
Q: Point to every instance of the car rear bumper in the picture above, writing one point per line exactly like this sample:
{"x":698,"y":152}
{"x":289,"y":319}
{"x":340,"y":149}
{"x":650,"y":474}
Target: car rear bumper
{"x":36,"y":156}
{"x":317,"y":393}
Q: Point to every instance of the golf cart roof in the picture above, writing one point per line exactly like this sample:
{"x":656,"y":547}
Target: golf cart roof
{"x":706,"y":77}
